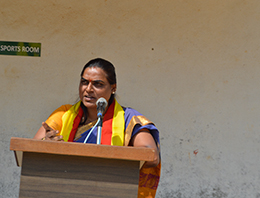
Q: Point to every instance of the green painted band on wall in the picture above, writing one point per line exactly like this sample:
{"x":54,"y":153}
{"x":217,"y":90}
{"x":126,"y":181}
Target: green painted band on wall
{"x":20,"y":48}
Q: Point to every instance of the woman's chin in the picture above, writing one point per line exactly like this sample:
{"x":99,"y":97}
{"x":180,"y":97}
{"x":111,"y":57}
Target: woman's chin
{"x":90,"y":104}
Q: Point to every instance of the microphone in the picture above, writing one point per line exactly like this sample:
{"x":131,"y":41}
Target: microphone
{"x":101,"y":106}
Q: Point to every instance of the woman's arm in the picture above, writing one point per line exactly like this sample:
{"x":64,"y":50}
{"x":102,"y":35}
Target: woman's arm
{"x":144,"y":139}
{"x":47,"y":133}
{"x":55,"y":121}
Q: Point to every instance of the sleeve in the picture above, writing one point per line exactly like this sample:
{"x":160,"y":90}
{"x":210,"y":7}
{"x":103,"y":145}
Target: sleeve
{"x":55,"y":119}
{"x":135,"y":122}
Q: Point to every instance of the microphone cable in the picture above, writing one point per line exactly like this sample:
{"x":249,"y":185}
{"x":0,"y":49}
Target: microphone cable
{"x":86,"y":139}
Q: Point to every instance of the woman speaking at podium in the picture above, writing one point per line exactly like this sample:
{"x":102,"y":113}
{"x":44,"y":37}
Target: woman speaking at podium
{"x":122,"y":126}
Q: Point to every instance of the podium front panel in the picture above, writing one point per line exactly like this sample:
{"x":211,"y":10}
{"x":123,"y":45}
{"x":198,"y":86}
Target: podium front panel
{"x":51,"y":176}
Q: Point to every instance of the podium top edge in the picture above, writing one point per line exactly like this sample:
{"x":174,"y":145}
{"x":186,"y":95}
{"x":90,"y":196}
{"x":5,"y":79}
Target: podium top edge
{"x":80,"y":149}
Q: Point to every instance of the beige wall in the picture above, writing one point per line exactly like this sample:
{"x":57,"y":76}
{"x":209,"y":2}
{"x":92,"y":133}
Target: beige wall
{"x":190,"y":66}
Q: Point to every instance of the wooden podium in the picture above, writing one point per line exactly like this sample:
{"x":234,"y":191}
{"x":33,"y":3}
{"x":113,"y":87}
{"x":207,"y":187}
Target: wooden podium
{"x":62,"y":169}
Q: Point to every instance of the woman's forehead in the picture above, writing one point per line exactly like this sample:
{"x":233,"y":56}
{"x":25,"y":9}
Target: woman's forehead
{"x":94,"y":73}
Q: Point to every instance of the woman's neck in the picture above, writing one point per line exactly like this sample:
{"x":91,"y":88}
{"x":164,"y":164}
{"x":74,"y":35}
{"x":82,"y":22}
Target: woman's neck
{"x":92,"y":114}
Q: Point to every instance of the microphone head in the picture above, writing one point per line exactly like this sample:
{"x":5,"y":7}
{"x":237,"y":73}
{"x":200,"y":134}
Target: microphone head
{"x":101,"y":106}
{"x":101,"y":102}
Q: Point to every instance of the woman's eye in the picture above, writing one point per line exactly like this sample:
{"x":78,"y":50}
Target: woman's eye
{"x":98,"y":84}
{"x":84,"y":82}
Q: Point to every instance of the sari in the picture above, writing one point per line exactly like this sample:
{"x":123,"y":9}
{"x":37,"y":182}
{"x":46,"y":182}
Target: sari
{"x":120,"y":124}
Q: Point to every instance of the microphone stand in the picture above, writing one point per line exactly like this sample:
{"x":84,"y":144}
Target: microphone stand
{"x":101,"y":106}
{"x":99,"y":128}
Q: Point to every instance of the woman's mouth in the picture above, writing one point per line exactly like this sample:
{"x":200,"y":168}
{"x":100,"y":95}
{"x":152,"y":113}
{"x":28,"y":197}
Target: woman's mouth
{"x":89,"y":98}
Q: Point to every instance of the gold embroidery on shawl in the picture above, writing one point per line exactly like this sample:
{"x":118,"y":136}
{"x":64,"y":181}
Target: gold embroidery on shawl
{"x":82,"y":129}
{"x":135,"y":120}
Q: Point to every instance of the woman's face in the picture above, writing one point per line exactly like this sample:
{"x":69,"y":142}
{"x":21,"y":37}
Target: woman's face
{"x":93,"y":85}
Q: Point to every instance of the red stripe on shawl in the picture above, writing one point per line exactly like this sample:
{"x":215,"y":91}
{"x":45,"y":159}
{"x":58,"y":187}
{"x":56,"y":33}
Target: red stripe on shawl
{"x":75,"y":125}
{"x":107,"y":125}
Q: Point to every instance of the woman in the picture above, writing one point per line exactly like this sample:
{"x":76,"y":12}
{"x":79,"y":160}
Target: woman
{"x":121,"y":126}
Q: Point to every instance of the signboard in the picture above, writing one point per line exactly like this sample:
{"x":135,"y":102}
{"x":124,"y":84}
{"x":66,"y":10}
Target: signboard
{"x":20,"y":48}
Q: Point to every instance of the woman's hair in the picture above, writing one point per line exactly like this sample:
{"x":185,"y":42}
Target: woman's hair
{"x":109,"y":69}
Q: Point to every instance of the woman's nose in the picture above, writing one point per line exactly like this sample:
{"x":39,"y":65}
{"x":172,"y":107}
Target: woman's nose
{"x":89,"y":87}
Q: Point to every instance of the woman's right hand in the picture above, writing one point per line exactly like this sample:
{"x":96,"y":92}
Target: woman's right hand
{"x":51,"y":134}
{"x":47,"y":133}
